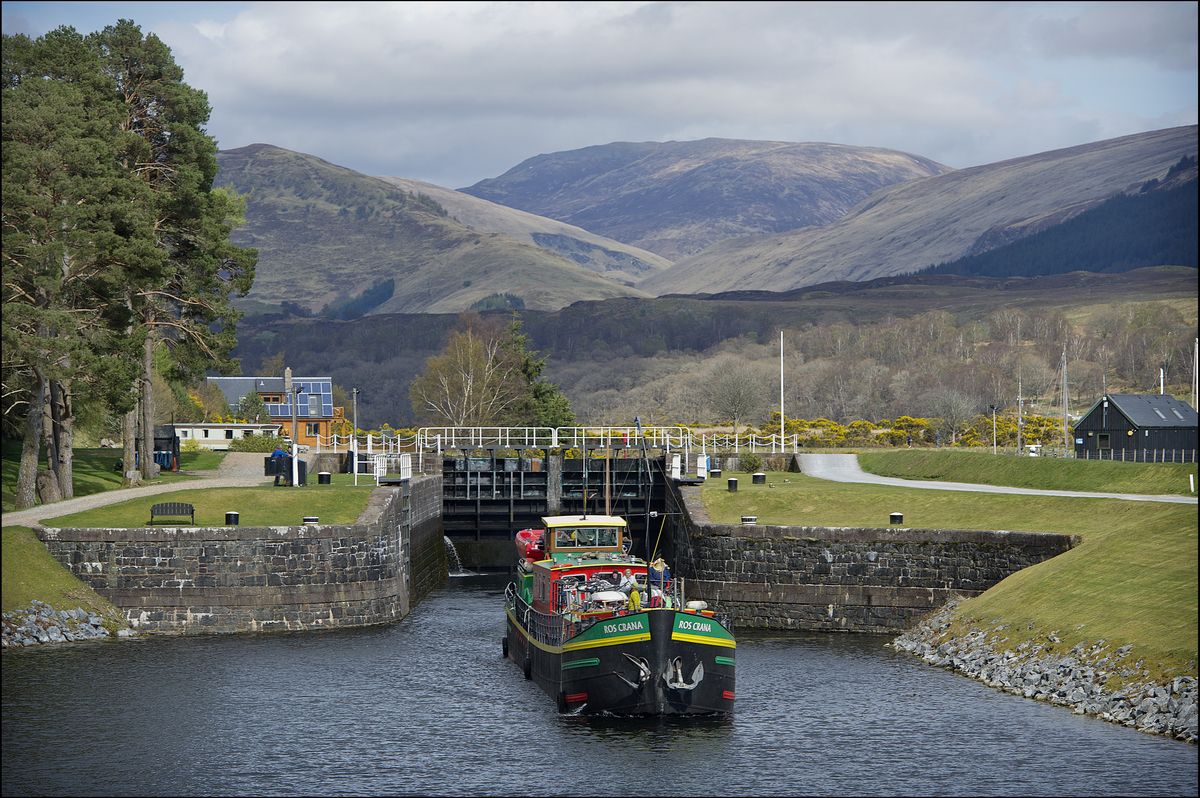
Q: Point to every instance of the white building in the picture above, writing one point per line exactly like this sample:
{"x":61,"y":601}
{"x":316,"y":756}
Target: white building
{"x":218,"y":436}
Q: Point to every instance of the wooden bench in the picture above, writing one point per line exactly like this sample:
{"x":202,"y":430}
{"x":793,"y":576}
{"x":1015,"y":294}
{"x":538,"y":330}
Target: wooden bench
{"x":172,"y":510}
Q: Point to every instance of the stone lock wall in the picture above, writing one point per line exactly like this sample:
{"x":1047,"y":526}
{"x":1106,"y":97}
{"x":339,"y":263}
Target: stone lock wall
{"x":244,"y":579}
{"x":841,"y":578}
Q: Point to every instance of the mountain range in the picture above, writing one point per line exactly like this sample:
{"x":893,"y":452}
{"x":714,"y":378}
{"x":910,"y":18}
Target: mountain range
{"x":605,"y":222}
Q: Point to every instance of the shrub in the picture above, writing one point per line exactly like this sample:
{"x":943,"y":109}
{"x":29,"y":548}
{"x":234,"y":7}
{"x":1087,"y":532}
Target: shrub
{"x":255,"y":443}
{"x":751,"y":462}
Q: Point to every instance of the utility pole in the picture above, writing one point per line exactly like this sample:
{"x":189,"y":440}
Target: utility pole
{"x":993,"y":409}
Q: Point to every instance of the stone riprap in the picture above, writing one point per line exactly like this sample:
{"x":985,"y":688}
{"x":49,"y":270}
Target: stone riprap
{"x":41,"y":624}
{"x":1075,"y":679}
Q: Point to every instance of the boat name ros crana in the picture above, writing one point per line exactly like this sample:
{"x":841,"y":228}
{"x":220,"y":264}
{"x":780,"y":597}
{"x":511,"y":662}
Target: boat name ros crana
{"x":602,"y":631}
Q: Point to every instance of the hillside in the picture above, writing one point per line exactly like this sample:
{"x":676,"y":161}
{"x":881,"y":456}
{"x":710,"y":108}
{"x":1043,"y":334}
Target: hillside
{"x":908,"y":226}
{"x":326,"y":234}
{"x":677,"y":198}
{"x":612,"y":259}
{"x":610,"y":353}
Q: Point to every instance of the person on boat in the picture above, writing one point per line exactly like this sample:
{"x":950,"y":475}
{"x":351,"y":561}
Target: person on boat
{"x":660,"y":574}
{"x":635,"y":600}
{"x":628,"y":583}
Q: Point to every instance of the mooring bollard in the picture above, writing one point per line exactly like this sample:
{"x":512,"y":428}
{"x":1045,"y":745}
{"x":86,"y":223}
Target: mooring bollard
{"x":897,"y":518}
{"x":310,"y":520}
{"x":732,"y":485}
{"x":231,"y":519}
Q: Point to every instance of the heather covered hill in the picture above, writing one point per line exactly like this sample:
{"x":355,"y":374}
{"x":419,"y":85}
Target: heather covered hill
{"x":676,"y":198}
{"x":328,"y":235}
{"x":614,"y":260}
{"x":908,"y":226}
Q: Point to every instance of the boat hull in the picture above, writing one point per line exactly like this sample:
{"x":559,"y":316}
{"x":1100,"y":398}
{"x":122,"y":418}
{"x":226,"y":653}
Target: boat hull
{"x":654,"y":662}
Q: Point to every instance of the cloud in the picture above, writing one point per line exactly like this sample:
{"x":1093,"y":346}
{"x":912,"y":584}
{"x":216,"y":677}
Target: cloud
{"x":453,"y":93}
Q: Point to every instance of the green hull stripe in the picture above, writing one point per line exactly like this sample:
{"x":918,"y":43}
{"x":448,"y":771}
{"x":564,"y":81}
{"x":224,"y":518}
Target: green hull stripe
{"x":581,"y":663}
{"x":724,"y":661}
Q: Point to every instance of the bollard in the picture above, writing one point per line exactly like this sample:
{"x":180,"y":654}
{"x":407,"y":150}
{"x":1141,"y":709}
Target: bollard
{"x":231,"y":519}
{"x":323,"y":478}
{"x":897,"y":518}
{"x":732,"y":485}
{"x":760,"y":478}
{"x":310,"y":520}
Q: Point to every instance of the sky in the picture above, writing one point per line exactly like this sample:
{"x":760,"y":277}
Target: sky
{"x":453,"y":93}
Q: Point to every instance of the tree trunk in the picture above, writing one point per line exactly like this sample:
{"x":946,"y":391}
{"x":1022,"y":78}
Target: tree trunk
{"x":149,"y":468}
{"x":130,"y":475}
{"x":64,"y":434}
{"x":47,"y":485}
{"x":26,"y":495}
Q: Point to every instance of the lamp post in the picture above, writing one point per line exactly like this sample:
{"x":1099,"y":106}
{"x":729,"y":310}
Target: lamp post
{"x":354,"y":438}
{"x":993,"y":409}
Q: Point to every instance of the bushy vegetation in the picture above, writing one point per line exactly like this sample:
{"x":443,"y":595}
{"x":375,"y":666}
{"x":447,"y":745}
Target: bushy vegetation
{"x":256,"y":443}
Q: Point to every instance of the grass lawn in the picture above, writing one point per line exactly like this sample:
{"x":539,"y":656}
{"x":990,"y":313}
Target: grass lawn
{"x":95,"y":470}
{"x":262,"y":506}
{"x":1043,"y":473}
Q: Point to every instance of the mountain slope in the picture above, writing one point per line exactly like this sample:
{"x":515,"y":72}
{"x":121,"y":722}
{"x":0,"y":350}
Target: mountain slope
{"x":614,"y":260}
{"x":908,"y":226}
{"x":677,"y":198}
{"x":326,"y":233}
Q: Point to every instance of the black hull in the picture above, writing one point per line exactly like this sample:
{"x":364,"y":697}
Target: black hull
{"x":647,"y":663}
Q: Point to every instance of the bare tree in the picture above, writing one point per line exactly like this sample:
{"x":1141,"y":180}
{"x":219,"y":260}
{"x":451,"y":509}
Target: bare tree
{"x":735,"y":391}
{"x":953,"y":408}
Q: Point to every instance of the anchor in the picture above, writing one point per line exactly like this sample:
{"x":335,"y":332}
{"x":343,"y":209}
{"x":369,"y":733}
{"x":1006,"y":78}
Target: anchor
{"x":674,"y":675}
{"x":643,"y":672}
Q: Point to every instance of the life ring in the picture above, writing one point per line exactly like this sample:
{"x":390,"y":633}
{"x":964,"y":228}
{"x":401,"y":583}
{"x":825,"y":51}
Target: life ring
{"x":528,"y":668}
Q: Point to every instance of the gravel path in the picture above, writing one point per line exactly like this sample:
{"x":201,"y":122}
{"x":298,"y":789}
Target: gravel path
{"x":845,"y":468}
{"x":237,"y":470}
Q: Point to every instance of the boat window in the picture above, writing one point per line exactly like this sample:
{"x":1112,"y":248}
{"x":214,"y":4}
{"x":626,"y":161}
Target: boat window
{"x":607,"y":537}
{"x":563,"y":538}
{"x":585,"y":537}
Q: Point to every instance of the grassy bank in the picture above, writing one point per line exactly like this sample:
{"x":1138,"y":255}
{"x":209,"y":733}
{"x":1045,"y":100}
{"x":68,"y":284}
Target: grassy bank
{"x":1132,"y":579}
{"x":1043,"y":473}
{"x":29,"y":572}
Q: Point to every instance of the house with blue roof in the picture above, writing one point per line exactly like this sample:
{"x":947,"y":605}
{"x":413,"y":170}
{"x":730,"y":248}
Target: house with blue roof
{"x":1138,"y":428}
{"x":316,"y":417}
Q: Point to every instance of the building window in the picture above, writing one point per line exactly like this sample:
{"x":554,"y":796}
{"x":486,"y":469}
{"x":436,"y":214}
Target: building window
{"x":206,"y":433}
{"x":312,"y":430}
{"x":229,"y":434}
{"x":1102,"y":441}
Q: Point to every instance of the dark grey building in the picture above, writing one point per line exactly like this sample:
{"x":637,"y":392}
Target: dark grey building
{"x":1140,"y":428}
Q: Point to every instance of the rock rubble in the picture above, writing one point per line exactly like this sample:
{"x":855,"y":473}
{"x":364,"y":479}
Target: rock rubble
{"x":40,"y":624}
{"x":1074,"y":679}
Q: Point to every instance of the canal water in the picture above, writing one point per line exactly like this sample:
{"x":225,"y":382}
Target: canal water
{"x":428,"y":706}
